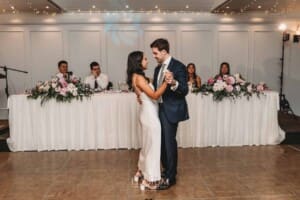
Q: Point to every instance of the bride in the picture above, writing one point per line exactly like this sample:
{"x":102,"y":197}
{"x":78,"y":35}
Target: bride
{"x":149,"y":158}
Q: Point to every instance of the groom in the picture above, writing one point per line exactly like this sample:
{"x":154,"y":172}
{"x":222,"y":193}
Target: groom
{"x":172,"y":106}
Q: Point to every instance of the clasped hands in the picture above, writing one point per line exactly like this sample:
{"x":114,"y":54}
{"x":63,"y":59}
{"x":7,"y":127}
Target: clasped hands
{"x":169,"y":77}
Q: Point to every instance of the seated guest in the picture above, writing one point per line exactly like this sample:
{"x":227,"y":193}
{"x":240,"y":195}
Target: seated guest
{"x":194,"y":81}
{"x":63,"y":70}
{"x":224,"y":70}
{"x":97,"y":80}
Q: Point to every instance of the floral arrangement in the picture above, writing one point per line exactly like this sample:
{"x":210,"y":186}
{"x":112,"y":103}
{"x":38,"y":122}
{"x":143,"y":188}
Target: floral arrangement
{"x":230,"y":86}
{"x":61,"y":89}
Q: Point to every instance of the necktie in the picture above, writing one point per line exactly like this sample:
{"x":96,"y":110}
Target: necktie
{"x":160,"y":80}
{"x":96,"y":84}
{"x":161,"y":75}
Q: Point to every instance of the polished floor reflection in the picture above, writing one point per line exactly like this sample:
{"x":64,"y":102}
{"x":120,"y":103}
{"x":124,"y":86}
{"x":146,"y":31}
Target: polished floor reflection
{"x":227,"y":173}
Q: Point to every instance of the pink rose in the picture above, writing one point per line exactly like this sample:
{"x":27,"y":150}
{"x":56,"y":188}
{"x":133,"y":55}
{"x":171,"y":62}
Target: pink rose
{"x":63,"y":82}
{"x":260,"y":88}
{"x":210,"y":81}
{"x":63,"y":92}
{"x":229,"y":88}
{"x":230,"y":80}
{"x":75,"y":80}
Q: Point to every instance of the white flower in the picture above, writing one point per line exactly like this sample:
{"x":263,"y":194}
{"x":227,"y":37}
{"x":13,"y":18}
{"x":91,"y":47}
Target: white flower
{"x":219,"y":85}
{"x":46,"y":88}
{"x":41,"y":88}
{"x":57,"y":89}
{"x":249,"y":88}
{"x":39,"y":83}
{"x":54,"y":80}
{"x":74,"y":93}
{"x":238,"y":88}
{"x":53,"y":85}
{"x":239,"y":79}
{"x":237,"y":76}
{"x":71,"y":87}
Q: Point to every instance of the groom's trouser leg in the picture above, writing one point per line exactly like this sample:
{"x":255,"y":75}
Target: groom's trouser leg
{"x":169,"y":146}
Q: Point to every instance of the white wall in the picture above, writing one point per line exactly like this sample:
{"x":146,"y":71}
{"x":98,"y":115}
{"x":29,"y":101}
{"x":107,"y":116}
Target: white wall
{"x":252,"y":50}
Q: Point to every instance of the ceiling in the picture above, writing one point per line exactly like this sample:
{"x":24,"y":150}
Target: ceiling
{"x":264,"y":6}
{"x":28,"y":6}
{"x":148,"y":11}
{"x":57,"y":6}
{"x":139,"y":5}
{"x":41,"y":7}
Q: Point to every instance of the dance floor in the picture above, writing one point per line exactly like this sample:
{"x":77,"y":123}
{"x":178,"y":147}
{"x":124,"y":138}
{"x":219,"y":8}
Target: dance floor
{"x":231,"y":173}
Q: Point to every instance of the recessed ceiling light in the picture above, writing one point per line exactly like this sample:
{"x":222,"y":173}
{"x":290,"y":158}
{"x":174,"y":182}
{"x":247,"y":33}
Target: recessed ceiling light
{"x":227,"y":7}
{"x":12,"y":7}
{"x":259,"y":6}
{"x":47,"y":7}
{"x":226,"y":19}
{"x":156,"y":6}
{"x":187,"y":6}
{"x":257,"y":19}
{"x":93,"y":6}
{"x":127,"y":6}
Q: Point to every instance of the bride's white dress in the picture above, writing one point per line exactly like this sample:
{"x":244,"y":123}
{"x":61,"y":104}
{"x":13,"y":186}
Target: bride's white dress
{"x":149,"y":158}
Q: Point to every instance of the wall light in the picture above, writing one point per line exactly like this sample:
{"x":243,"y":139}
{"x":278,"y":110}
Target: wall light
{"x":282,"y":27}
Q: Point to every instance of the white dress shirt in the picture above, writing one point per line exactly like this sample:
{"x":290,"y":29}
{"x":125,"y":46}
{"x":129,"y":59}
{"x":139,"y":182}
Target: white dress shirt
{"x":61,"y":75}
{"x":102,"y":81}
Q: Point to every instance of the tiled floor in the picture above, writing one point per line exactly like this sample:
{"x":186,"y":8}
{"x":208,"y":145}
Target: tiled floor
{"x":228,"y":173}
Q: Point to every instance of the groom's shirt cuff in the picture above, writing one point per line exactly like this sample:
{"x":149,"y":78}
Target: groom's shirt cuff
{"x":174,"y":87}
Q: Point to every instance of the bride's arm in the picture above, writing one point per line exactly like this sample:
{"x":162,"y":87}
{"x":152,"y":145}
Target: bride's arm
{"x":136,"y":89}
{"x":143,"y":85}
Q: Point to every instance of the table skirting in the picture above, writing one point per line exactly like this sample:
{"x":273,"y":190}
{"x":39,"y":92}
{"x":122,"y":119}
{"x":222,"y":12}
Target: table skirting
{"x":110,"y":121}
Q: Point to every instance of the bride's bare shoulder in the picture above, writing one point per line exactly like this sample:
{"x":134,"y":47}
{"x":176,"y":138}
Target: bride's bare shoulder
{"x":138,"y":78}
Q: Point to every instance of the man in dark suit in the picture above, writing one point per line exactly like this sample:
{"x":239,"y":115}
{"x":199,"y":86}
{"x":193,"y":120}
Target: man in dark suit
{"x":172,"y":106}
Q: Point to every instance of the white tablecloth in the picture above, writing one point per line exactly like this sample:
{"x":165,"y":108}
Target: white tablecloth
{"x":110,"y":120}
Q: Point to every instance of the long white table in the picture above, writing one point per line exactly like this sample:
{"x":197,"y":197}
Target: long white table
{"x":110,"y":120}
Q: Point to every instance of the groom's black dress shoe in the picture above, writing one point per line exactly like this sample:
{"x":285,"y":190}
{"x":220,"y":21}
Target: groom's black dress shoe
{"x":166,"y":184}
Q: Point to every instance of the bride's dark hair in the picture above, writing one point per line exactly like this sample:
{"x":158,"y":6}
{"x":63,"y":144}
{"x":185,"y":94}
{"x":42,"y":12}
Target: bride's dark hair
{"x":134,"y":65}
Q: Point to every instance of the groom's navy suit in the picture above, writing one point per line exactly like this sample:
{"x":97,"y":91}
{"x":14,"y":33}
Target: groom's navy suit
{"x":172,"y":110}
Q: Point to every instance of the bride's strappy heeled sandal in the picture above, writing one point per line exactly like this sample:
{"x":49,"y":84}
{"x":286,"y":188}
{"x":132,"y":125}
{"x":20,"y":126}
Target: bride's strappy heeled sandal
{"x":149,"y":185}
{"x":138,"y":176}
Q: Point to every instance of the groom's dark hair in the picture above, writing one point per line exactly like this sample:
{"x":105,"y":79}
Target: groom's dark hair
{"x":161,"y":44}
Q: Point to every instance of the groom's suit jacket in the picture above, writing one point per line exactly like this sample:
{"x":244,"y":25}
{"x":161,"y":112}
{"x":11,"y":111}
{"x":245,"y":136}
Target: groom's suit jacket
{"x":174,"y":103}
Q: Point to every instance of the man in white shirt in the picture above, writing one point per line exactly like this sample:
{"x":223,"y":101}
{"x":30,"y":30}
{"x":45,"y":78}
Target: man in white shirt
{"x":63,"y":70}
{"x":97,"y":80}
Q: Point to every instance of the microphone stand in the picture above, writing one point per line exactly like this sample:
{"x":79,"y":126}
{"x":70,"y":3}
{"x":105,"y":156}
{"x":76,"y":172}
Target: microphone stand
{"x":6,"y":79}
{"x":284,"y":103}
